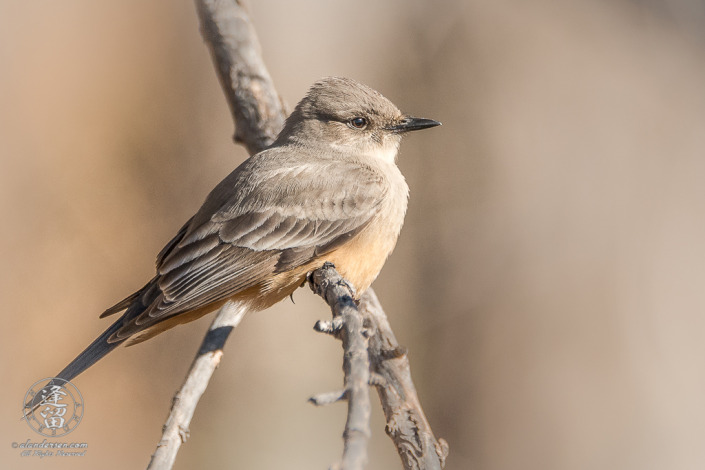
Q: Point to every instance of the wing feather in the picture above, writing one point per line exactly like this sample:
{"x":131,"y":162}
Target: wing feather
{"x":256,"y":222}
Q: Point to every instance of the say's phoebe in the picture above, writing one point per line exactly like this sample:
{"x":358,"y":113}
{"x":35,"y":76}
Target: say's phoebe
{"x":328,"y":189}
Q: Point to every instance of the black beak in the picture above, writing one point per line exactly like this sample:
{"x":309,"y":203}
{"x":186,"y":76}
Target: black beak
{"x":412,"y":124}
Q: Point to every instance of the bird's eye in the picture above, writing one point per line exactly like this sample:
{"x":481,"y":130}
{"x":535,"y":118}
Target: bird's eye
{"x":358,"y":122}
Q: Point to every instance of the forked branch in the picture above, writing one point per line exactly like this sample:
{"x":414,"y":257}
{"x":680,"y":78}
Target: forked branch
{"x":347,"y":325}
{"x":372,"y":355}
{"x":389,"y":372}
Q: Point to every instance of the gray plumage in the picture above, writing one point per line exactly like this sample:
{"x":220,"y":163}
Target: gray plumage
{"x":324,"y":183}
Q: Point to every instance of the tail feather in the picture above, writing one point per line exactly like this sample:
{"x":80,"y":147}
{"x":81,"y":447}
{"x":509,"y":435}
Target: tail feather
{"x":92,"y":354}
{"x":122,"y":305}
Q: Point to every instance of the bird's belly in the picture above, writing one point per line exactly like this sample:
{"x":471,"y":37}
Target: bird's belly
{"x":361,"y":260}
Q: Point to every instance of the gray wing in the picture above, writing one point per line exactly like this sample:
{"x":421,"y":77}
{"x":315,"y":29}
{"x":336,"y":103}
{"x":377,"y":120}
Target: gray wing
{"x":254,"y":224}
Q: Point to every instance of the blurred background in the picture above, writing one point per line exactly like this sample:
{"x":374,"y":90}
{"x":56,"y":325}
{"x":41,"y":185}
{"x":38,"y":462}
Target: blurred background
{"x":549,"y":282}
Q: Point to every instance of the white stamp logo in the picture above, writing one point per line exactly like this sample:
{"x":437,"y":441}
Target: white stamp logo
{"x":53,"y":407}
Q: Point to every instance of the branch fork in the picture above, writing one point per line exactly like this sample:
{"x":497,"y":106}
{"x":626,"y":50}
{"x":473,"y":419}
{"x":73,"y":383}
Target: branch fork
{"x":372,"y":354}
{"x":348,"y":326}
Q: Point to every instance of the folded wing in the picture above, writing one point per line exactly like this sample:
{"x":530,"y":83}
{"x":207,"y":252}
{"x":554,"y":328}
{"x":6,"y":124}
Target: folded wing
{"x":254,"y":225}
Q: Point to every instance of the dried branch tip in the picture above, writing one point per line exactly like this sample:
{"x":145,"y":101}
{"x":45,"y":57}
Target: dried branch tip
{"x":377,"y":380}
{"x":328,"y":398}
{"x":442,"y":450}
{"x":394,"y":353}
{"x":329,"y":327}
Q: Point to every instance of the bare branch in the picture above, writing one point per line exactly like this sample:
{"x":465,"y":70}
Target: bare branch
{"x":257,"y":110}
{"x":176,"y":428}
{"x":339,"y":295}
{"x":259,"y":114}
{"x":406,"y":422}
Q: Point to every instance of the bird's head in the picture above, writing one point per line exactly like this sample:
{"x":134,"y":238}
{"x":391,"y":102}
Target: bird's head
{"x":348,"y":116}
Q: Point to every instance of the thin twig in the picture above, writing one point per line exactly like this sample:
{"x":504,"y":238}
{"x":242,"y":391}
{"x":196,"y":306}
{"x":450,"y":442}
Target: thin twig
{"x":406,"y":422}
{"x":339,"y":295}
{"x":176,"y":428}
{"x":256,"y":108}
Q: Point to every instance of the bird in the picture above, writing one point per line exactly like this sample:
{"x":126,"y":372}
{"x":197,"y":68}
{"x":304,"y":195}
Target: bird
{"x":326,"y":190}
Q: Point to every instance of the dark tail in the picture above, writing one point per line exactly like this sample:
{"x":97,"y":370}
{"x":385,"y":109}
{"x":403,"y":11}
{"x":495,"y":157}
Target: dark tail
{"x":92,"y":354}
{"x":100,"y":347}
